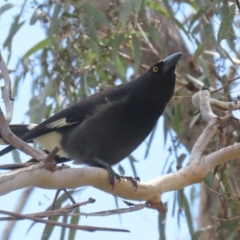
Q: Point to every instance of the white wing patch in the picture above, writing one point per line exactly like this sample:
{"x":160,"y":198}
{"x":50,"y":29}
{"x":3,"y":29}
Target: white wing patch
{"x":51,"y":140}
{"x":31,"y":126}
{"x":59,"y":123}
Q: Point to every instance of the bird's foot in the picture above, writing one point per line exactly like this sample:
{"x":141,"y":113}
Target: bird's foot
{"x":112,"y":175}
{"x":133,"y":180}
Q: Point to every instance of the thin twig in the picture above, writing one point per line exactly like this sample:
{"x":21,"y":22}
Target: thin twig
{"x":136,"y":207}
{"x":49,"y":162}
{"x":55,"y":199}
{"x":144,"y":66}
{"x":147,"y":40}
{"x":66,"y":210}
{"x":6,"y":90}
{"x":227,"y":83}
{"x":57,"y":212}
{"x":69,"y":196}
{"x":54,"y":223}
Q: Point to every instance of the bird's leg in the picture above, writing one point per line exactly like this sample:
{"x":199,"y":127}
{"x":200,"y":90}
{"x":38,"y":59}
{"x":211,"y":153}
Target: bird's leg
{"x":112,"y":174}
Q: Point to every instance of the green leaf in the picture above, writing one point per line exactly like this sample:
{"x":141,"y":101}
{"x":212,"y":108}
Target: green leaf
{"x":125,"y":11}
{"x":188,"y":214}
{"x":183,"y":203}
{"x":162,"y":225}
{"x":35,"y":17}
{"x":116,"y":43}
{"x":226,"y":24}
{"x":119,"y":67}
{"x":94,"y":47}
{"x":166,"y":124}
{"x":13,"y":30}
{"x":132,"y":160}
{"x":196,"y":29}
{"x":69,"y":15}
{"x":200,"y":49}
{"x":150,"y":141}
{"x":98,"y":16}
{"x":38,"y":15}
{"x":176,"y":120}
{"x":168,"y":6}
{"x":48,"y":230}
{"x":181,"y":26}
{"x":193,"y":4}
{"x":121,"y":169}
{"x":90,"y":27}
{"x":194,"y":120}
{"x":206,"y":71}
{"x":55,"y":23}
{"x":226,"y":53}
{"x":230,"y":225}
{"x":157,"y":7}
{"x":16,"y":156}
{"x":181,"y":158}
{"x":63,"y":229}
{"x":74,"y":220}
{"x":136,"y":52}
{"x":43,"y":44}
{"x":5,"y":7}
{"x":199,"y":14}
{"x":197,"y":235}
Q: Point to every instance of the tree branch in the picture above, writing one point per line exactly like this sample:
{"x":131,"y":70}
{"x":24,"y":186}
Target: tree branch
{"x":8,"y":136}
{"x":198,"y":167}
{"x":6,"y":90}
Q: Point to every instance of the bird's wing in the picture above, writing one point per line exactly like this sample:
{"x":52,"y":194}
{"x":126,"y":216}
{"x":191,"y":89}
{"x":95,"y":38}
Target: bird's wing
{"x":74,"y":114}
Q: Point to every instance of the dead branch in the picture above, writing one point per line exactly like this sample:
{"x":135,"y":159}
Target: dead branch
{"x":4,"y":122}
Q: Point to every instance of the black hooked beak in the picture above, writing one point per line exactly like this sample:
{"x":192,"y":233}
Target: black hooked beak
{"x":171,"y":61}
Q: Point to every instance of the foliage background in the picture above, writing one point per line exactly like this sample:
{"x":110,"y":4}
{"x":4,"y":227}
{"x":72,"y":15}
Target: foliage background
{"x":85,"y":46}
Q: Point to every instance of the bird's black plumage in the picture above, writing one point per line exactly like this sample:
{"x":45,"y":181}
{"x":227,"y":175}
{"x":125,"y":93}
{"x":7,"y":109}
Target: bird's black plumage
{"x":110,"y":124}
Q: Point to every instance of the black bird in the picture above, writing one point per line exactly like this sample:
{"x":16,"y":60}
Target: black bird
{"x":106,"y":127}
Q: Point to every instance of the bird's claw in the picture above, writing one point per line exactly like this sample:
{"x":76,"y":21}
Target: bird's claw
{"x":112,"y":175}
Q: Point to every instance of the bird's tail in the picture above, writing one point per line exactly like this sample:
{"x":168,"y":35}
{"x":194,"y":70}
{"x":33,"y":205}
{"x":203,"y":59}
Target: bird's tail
{"x":19,"y":130}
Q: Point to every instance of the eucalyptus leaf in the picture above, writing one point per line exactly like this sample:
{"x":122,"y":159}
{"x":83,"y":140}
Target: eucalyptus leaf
{"x":125,"y":11}
{"x":157,"y":7}
{"x":226,"y":24}
{"x":41,"y":45}
{"x":200,"y":49}
{"x":98,"y":16}
{"x":5,"y":7}
{"x":136,"y":52}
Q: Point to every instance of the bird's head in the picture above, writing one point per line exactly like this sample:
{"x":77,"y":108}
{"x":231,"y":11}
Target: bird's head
{"x":161,"y":76}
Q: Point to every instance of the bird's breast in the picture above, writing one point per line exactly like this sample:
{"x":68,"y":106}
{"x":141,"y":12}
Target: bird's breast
{"x":110,"y":134}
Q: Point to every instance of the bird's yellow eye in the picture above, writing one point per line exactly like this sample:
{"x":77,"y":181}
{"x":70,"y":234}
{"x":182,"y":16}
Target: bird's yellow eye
{"x":155,"y":69}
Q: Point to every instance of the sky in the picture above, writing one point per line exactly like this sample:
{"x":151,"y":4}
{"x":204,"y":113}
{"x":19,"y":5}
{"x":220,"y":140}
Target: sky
{"x":142,"y":224}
